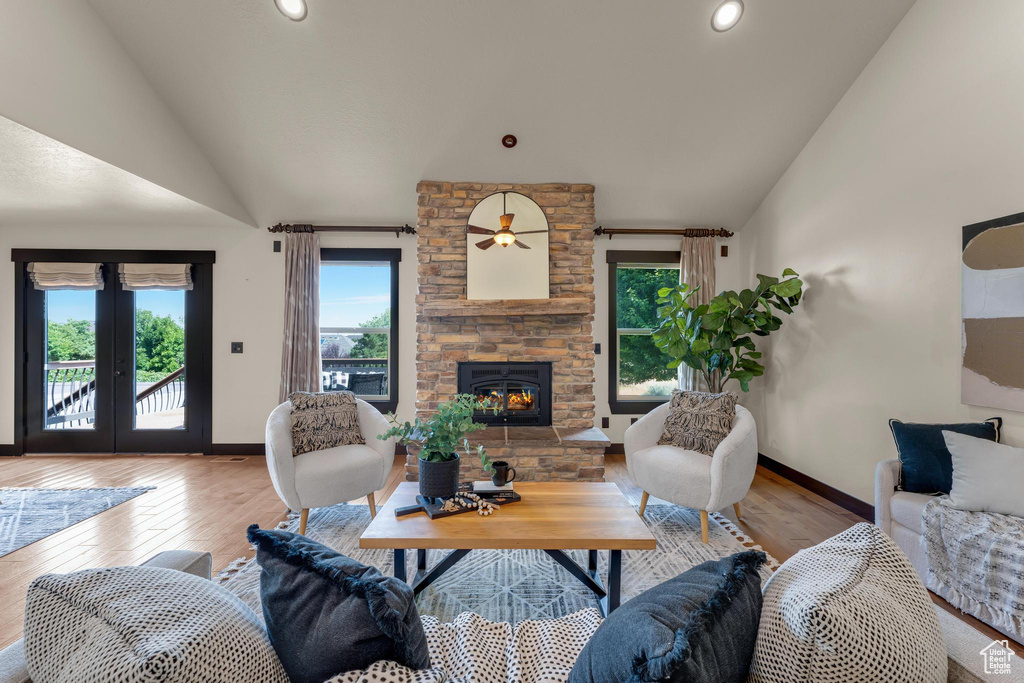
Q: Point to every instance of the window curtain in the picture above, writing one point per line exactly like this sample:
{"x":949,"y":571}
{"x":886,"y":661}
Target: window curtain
{"x":300,"y":355}
{"x":137,"y":277}
{"x":696,"y":269}
{"x":65,"y":275}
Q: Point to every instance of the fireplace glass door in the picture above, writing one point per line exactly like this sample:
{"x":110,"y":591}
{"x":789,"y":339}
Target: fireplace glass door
{"x":521,"y":392}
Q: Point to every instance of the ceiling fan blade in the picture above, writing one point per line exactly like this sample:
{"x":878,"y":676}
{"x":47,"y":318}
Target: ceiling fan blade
{"x":477,"y":230}
{"x":529,"y":232}
{"x":520,"y":244}
{"x":485,"y":244}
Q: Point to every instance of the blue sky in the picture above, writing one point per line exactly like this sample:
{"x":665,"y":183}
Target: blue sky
{"x":352,"y":294}
{"x":67,"y":304}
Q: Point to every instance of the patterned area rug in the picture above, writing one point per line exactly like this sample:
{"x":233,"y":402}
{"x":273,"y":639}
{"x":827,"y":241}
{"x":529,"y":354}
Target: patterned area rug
{"x":27,"y":515}
{"x":512,"y":585}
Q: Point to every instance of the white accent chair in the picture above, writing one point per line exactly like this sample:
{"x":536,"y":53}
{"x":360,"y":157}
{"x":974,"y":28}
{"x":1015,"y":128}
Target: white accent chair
{"x":331,"y":476}
{"x":689,"y":478}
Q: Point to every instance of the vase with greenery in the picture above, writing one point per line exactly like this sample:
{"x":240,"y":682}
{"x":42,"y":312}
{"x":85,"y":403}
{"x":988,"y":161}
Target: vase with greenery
{"x":439,"y":439}
{"x":715,"y":338}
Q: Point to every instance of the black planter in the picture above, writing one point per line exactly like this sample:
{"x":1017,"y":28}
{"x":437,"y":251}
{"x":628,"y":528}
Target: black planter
{"x":439,"y":479}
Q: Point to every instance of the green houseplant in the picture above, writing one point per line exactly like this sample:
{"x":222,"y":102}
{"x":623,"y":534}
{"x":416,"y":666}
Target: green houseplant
{"x":715,"y":338}
{"x":439,"y":440}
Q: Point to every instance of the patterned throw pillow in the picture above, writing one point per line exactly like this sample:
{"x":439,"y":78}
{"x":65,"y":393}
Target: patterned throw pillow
{"x":322,"y":421}
{"x":391,"y":672}
{"x":698,"y":421}
{"x":136,"y":624}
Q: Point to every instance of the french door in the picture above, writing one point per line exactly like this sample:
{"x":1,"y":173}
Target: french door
{"x":111,"y":370}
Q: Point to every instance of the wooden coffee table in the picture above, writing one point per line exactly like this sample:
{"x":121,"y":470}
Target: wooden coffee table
{"x":552,"y":516}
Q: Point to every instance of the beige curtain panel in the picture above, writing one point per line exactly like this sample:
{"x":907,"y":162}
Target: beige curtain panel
{"x":696,"y":269}
{"x":137,"y":277}
{"x":65,"y":275}
{"x":300,"y":355}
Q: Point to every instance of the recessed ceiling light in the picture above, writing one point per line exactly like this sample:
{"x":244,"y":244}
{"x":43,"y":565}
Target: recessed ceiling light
{"x":293,"y":9}
{"x":727,"y":15}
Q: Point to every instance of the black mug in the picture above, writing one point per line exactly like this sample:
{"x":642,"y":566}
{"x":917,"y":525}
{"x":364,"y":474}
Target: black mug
{"x":502,"y":474}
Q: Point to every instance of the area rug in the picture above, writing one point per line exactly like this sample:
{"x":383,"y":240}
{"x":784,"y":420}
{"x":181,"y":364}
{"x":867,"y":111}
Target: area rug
{"x":512,"y":585}
{"x":27,"y":514}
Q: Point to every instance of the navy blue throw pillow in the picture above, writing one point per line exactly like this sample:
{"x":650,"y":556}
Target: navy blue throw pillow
{"x":327,"y":614}
{"x":700,"y":626}
{"x":926,"y":465}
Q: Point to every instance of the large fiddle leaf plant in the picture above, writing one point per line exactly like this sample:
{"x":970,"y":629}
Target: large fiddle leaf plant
{"x":715,"y":338}
{"x":444,"y":433}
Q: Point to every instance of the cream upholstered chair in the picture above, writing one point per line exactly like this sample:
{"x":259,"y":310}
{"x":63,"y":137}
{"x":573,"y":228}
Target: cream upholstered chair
{"x":335,"y":475}
{"x":689,"y":478}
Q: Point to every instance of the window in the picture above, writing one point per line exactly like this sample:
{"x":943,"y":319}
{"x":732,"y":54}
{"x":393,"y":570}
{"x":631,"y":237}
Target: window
{"x":638,"y":377}
{"x":359,"y":323}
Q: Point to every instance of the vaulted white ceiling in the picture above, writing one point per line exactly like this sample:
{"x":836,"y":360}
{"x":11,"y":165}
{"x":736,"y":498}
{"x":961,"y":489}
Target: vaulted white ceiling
{"x":335,"y":118}
{"x":45,"y":182}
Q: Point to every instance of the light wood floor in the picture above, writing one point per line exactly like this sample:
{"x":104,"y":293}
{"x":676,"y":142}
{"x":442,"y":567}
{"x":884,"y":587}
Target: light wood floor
{"x":206,"y":503}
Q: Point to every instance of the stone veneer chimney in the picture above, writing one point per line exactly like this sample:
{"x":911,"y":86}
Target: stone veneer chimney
{"x":559,"y":331}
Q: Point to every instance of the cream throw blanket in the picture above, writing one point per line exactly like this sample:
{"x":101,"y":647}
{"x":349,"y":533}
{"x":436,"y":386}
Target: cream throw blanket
{"x":976,"y":562}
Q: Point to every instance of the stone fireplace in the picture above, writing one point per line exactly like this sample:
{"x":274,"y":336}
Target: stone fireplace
{"x":555,"y":332}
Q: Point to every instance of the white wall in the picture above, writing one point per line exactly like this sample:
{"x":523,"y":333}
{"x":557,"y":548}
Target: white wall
{"x":730,"y":273}
{"x":248,"y":305}
{"x":925,"y":141}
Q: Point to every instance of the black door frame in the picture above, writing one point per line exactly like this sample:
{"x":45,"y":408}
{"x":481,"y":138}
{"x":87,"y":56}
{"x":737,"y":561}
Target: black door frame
{"x":198,"y":343}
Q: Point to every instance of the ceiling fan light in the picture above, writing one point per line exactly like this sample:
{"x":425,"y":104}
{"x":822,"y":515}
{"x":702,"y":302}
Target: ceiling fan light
{"x":504,"y":237}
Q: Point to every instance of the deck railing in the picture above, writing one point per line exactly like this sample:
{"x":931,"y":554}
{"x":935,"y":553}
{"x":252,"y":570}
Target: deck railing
{"x":71,"y":394}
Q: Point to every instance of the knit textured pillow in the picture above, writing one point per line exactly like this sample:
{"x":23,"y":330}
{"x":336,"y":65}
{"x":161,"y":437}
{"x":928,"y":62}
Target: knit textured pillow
{"x":322,"y":421}
{"x":139,"y":624}
{"x":698,"y":421}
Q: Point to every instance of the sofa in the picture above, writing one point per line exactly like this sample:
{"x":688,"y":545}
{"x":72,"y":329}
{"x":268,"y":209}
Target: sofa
{"x":901,"y":514}
{"x":826,"y":580}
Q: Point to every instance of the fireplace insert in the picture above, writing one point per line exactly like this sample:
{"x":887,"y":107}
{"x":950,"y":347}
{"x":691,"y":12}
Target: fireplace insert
{"x":520,"y":391}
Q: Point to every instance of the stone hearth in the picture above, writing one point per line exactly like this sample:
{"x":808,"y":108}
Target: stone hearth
{"x":450,"y":329}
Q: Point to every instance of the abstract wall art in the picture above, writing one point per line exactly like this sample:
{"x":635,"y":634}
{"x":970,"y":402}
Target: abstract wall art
{"x":992,"y":333}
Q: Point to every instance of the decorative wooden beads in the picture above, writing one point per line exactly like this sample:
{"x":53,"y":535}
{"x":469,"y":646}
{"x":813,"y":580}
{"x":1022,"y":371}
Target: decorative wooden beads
{"x":464,"y":501}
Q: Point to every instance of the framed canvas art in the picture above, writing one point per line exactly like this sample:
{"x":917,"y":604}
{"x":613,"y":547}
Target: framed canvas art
{"x":992,"y":330}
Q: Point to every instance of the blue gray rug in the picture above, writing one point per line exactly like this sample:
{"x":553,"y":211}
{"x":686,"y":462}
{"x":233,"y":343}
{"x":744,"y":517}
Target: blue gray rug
{"x":27,"y":515}
{"x":512,"y":585}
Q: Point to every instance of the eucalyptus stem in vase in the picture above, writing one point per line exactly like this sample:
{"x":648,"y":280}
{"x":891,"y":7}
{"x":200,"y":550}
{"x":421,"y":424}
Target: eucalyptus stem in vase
{"x":439,"y":439}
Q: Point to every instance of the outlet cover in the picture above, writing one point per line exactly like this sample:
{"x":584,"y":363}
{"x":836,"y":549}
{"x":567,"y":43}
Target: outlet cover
{"x":236,"y":347}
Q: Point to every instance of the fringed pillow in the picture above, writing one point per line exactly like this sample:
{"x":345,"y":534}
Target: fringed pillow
{"x":698,"y":421}
{"x":321,"y":421}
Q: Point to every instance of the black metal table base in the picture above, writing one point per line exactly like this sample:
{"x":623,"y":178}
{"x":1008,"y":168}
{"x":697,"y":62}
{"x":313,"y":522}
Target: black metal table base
{"x":608,"y":598}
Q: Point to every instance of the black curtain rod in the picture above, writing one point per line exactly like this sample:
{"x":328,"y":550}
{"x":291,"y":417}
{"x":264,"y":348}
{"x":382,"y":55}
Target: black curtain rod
{"x":305,"y":227}
{"x":684,"y":232}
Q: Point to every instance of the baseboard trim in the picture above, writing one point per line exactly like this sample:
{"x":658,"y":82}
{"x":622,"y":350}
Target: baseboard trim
{"x":7,"y":449}
{"x":229,"y":449}
{"x":238,"y":449}
{"x":829,"y":493}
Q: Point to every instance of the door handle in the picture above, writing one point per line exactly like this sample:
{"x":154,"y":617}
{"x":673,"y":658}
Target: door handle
{"x":118,"y":372}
